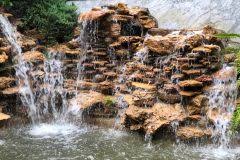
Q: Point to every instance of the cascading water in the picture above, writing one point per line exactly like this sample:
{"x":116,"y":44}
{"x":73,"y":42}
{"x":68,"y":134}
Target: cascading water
{"x":21,"y":68}
{"x":54,"y":98}
{"x":222,"y":103}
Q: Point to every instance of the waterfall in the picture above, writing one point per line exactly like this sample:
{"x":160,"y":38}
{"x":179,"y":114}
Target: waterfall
{"x":21,"y":68}
{"x":222,"y":103}
{"x":47,"y":97}
{"x":53,"y":98}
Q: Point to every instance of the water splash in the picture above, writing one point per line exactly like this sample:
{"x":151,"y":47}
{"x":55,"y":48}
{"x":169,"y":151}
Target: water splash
{"x":222,"y":103}
{"x":21,"y":68}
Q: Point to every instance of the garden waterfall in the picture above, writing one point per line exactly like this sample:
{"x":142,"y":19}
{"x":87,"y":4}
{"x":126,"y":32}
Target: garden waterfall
{"x":123,"y":71}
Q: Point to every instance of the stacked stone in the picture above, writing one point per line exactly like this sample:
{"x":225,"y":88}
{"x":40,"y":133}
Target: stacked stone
{"x":184,"y":64}
{"x":110,"y":36}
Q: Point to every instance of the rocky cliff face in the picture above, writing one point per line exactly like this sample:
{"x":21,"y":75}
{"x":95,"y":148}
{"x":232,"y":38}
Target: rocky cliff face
{"x":158,"y":80}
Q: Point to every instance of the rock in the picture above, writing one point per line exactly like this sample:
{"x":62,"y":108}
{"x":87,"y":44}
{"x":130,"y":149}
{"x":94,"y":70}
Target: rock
{"x":158,"y":44}
{"x":152,"y":120}
{"x":207,"y":49}
{"x":148,"y":22}
{"x":144,"y":86}
{"x":205,"y":79}
{"x":6,"y":82}
{"x":228,"y":58}
{"x":88,"y":99}
{"x":122,"y":8}
{"x":94,"y":15}
{"x":94,"y":104}
{"x":3,"y":58}
{"x":168,"y":98}
{"x":192,"y":133}
{"x":11,"y":91}
{"x":144,"y":98}
{"x":189,"y":93}
{"x":4,"y":117}
{"x":192,"y":72}
{"x":33,"y":56}
{"x":159,"y":31}
{"x":177,"y":77}
{"x":27,"y":44}
{"x":6,"y":50}
{"x":190,"y":85}
{"x":137,"y":11}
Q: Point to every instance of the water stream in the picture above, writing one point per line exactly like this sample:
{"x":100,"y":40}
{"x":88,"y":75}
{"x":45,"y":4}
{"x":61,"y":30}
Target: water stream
{"x":21,"y":68}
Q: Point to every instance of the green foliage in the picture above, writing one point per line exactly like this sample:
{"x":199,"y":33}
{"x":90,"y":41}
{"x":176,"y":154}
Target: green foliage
{"x":54,"y":19}
{"x":109,"y":102}
{"x":5,"y":3}
{"x":236,"y":120}
{"x":227,"y":35}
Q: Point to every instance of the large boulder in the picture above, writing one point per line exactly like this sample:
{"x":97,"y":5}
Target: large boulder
{"x":151,"y":120}
{"x":193,"y":133}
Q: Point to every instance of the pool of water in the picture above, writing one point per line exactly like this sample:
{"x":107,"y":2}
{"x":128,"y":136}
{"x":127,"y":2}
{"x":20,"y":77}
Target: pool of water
{"x":70,"y":142}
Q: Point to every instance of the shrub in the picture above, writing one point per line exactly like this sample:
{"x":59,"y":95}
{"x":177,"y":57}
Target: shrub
{"x":54,"y":19}
{"x":5,"y":3}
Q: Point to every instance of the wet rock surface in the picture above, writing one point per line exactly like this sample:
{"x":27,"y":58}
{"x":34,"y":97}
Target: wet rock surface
{"x":121,"y":61}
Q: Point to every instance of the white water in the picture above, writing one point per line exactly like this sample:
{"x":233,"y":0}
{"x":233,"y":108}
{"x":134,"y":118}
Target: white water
{"x":21,"y":68}
{"x":222,"y":103}
{"x":47,"y":99}
{"x":54,"y":97}
{"x":45,"y":130}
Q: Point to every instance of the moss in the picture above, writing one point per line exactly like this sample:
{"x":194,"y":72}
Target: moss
{"x":235,"y":126}
{"x":109,"y":101}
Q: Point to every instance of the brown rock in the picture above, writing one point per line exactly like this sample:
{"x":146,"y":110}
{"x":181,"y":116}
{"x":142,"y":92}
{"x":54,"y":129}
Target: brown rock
{"x":151,"y":120}
{"x":143,"y":86}
{"x":3,"y":58}
{"x":159,"y":44}
{"x":148,"y":22}
{"x":6,"y":82}
{"x":4,"y":116}
{"x":192,"y":132}
{"x":205,"y":79}
{"x":28,"y":44}
{"x":168,"y":97}
{"x":88,"y":99}
{"x":228,"y":58}
{"x":33,"y":56}
{"x":6,"y":50}
{"x":192,"y":72}
{"x":190,"y":85}
{"x":144,"y":98}
{"x":94,"y":15}
{"x":159,"y":31}
{"x":189,"y":93}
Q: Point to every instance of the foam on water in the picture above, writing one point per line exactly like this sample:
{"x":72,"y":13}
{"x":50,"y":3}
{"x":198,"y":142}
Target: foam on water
{"x":113,"y":133}
{"x":221,"y":153}
{"x":45,"y":130}
{"x":2,"y":142}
